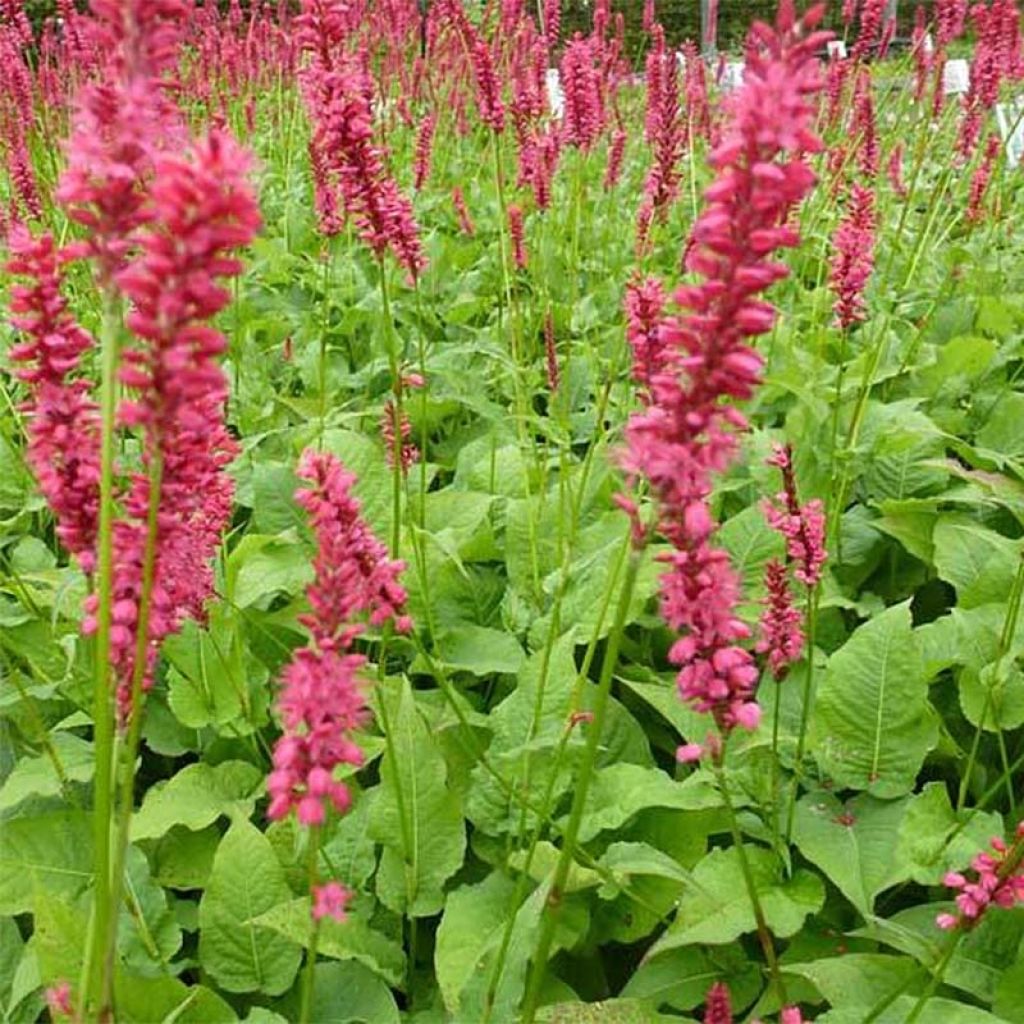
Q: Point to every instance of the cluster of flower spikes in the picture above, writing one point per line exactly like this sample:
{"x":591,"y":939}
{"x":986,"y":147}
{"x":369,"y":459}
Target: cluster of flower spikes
{"x":996,"y":58}
{"x":338,"y":90}
{"x":854,"y":256}
{"x":203,"y":210}
{"x":803,"y":528}
{"x":687,"y":432}
{"x":584,"y":117}
{"x":321,"y":703}
{"x":64,"y":430}
{"x":665,"y":126}
{"x":999,"y":883}
{"x":159,"y":230}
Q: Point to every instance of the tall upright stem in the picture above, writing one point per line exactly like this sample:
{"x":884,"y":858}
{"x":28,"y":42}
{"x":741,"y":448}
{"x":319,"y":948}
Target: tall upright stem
{"x":555,"y":896}
{"x":103,"y":712}
{"x":309,"y":974}
{"x":134,"y":734}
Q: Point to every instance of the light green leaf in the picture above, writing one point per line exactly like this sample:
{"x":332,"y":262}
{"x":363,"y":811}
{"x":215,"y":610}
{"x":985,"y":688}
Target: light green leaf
{"x":37,"y":776}
{"x":246,"y":881}
{"x":481,"y":650}
{"x":351,"y":939}
{"x":149,"y":935}
{"x":716,"y":909}
{"x":873,"y":725}
{"x":167,"y":1000}
{"x":978,"y":562}
{"x":857,"y":979}
{"x":261,"y":567}
{"x":608,"y":1011}
{"x":346,"y":993}
{"x":197,"y":796}
{"x":620,"y":791}
{"x":423,"y":835}
{"x":854,"y":844}
{"x":933,"y":839}
{"x":52,"y":851}
{"x":183,"y":859}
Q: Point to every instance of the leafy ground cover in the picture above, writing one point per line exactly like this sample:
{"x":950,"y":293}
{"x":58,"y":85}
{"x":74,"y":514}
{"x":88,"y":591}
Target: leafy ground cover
{"x":471,"y":554}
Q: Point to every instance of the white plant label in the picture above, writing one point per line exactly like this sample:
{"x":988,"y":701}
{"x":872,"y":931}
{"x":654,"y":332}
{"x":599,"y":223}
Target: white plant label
{"x":556,"y":98}
{"x":732,"y":75}
{"x":1010,"y":119}
{"x":956,"y":77}
{"x":837,"y":49}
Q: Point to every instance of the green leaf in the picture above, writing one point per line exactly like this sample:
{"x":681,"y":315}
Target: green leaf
{"x":978,"y":562}
{"x":347,"y":993}
{"x":183,"y":859}
{"x":993,"y":698}
{"x":37,"y":776}
{"x":857,"y":979}
{"x":1001,"y":431}
{"x":621,"y":791}
{"x":167,"y":1000}
{"x":422,"y":833}
{"x":246,"y":881}
{"x":935,"y":1011}
{"x":1009,"y":996}
{"x":854,"y":844}
{"x":681,"y":977}
{"x":260,"y":568}
{"x":873,"y":725}
{"x":52,"y":851}
{"x":480,"y":650}
{"x":149,"y":935}
{"x":933,"y":839}
{"x":197,"y":796}
{"x":608,"y":1011}
{"x":716,"y":909}
{"x":351,"y":939}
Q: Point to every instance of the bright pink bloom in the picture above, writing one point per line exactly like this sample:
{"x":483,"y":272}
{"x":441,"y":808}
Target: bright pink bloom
{"x":321,"y":703}
{"x":850,"y":11}
{"x":645,"y":306}
{"x":922,"y":58}
{"x":802,"y":526}
{"x":782,"y":634}
{"x":424,"y":148}
{"x":339,"y":100}
{"x":465,"y":222}
{"x":616,"y":152}
{"x":552,"y":21}
{"x":488,"y":87}
{"x":950,"y":19}
{"x":584,"y":115}
{"x":14,"y":14}
{"x":854,"y":259}
{"x":408,"y":453}
{"x":718,"y":1005}
{"x":980,"y":180}
{"x":58,"y":1000}
{"x":698,"y":109}
{"x":515,"y":230}
{"x":688,"y":431}
{"x":791,"y":1015}
{"x":999,"y":882}
{"x":203,"y":209}
{"x":665,"y":126}
{"x":864,"y":127}
{"x":894,"y":169}
{"x":649,"y":17}
{"x":330,"y":900}
{"x":835,"y":89}
{"x":63,"y":428}
{"x":871,"y":15}
{"x":122,"y":121}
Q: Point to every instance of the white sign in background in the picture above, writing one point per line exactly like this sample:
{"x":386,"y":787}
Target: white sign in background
{"x":1010,"y":119}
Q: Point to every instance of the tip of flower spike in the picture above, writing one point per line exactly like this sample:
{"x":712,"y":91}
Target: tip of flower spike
{"x":689,"y":753}
{"x":330,"y":900}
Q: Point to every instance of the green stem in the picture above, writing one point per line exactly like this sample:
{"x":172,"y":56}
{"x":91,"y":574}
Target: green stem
{"x":396,"y":391}
{"x":103,"y":713}
{"x":309,"y":974}
{"x":134,"y":735}
{"x":805,"y":711}
{"x":555,"y":896}
{"x":763,"y":934}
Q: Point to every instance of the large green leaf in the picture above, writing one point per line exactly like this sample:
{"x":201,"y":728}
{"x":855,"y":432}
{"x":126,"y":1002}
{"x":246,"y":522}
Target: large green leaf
{"x":855,"y":844}
{"x":196,"y":797}
{"x":346,"y":993}
{"x":716,"y":908}
{"x":246,"y":881}
{"x":53,"y":851}
{"x":37,"y":776}
{"x":873,"y":724}
{"x":857,"y":979}
{"x":978,"y":562}
{"x":351,"y":939}
{"x":682,"y":976}
{"x":416,"y":817}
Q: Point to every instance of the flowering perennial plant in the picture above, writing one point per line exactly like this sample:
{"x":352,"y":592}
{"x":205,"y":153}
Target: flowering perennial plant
{"x":321,"y":703}
{"x":687,"y":433}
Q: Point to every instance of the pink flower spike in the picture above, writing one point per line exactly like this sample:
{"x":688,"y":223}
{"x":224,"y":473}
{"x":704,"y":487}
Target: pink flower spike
{"x":689,"y":753}
{"x":58,"y":1000}
{"x":330,"y":900}
{"x":718,"y":1005}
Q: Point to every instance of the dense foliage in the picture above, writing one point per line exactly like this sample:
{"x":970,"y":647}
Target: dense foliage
{"x":468,"y":555}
